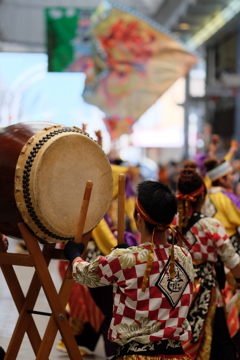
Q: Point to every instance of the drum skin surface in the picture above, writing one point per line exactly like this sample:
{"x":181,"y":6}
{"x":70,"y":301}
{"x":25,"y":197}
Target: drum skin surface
{"x":43,"y":177}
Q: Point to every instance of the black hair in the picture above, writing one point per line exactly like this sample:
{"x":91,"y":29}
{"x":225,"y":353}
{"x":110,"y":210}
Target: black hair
{"x":190,"y":164}
{"x":189,"y":180}
{"x":158,"y":201}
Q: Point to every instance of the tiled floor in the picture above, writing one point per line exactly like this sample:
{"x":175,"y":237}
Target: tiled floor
{"x":9,"y":313}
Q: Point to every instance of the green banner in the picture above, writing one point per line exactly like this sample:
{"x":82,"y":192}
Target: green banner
{"x":66,"y":30}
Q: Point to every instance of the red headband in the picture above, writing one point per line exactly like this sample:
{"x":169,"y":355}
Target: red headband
{"x":192,"y":197}
{"x":144,"y":215}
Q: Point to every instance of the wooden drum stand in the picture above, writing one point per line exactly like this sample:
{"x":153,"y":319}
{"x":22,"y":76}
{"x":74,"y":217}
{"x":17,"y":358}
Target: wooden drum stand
{"x":40,"y":259}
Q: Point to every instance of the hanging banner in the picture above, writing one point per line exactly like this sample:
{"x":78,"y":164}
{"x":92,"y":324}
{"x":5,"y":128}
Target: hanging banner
{"x":143,"y":61}
{"x":68,"y":42}
{"x":129,"y":60}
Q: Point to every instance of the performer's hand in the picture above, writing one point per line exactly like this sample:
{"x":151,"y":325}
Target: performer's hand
{"x":213,"y":145}
{"x":73,"y":250}
{"x":233,"y":148}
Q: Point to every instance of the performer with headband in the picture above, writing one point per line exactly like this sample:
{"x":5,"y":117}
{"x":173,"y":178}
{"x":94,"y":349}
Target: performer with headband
{"x":152,"y":282}
{"x":221,"y":201}
{"x":202,"y":157}
{"x":211,"y":337}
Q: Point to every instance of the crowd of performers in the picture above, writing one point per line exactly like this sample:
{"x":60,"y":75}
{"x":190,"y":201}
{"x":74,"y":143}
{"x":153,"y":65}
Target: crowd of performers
{"x":143,"y":305}
{"x":168,"y":291}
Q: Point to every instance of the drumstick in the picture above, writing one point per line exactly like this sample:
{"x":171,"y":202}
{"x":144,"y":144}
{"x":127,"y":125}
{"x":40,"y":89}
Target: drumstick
{"x":81,"y":222}
{"x":99,"y":137}
{"x":121,"y":207}
{"x":83,"y":211}
{"x":84,"y":127}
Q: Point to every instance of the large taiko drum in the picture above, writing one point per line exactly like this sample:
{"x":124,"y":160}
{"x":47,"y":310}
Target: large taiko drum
{"x":44,"y":168}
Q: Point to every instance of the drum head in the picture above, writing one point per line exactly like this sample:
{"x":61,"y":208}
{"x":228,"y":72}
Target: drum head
{"x":51,"y":174}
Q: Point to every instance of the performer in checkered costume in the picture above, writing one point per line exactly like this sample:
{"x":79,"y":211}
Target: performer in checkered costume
{"x":221,"y":201}
{"x":211,"y":337}
{"x":152,"y":282}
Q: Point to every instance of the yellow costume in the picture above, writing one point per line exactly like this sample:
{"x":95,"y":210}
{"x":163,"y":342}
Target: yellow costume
{"x":219,"y":204}
{"x":102,"y":230}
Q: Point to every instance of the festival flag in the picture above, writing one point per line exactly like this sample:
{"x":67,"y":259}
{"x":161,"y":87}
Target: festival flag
{"x":142,"y":61}
{"x":67,"y":38}
{"x":129,"y":60}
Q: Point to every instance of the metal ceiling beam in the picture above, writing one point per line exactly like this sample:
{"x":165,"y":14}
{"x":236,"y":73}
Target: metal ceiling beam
{"x":228,"y":13}
{"x":204,"y":9}
{"x":170,"y":11}
{"x":29,"y":14}
{"x":221,"y":2}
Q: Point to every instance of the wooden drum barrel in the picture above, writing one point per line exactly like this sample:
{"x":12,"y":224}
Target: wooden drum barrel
{"x":44,"y":168}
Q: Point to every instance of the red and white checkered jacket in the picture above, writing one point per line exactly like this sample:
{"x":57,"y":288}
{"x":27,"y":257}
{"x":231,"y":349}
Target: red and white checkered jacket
{"x":209,"y":239}
{"x":158,"y":313}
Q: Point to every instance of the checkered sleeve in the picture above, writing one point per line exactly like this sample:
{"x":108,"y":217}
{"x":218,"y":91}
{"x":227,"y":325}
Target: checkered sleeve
{"x":89,"y":274}
{"x":101,"y":272}
{"x":223,"y":244}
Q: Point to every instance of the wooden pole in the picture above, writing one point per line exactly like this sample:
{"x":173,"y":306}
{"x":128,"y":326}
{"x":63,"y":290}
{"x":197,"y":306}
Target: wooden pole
{"x":83,"y":211}
{"x":81,"y":222}
{"x":121,"y":207}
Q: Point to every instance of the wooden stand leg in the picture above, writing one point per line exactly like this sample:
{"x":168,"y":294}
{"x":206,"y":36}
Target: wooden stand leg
{"x":18,"y":297}
{"x":52,"y":328}
{"x":67,"y":284}
{"x":41,"y":278}
{"x":58,"y":310}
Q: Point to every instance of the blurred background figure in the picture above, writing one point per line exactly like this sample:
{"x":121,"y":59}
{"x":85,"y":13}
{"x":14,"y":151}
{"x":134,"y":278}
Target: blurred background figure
{"x":236,"y":170}
{"x":221,"y":201}
{"x":223,"y":204}
{"x":212,"y":330}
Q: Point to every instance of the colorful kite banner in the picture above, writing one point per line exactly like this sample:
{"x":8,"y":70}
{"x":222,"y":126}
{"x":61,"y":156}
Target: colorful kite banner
{"x":129,"y":60}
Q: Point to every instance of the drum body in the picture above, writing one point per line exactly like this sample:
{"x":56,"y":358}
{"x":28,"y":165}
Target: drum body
{"x":44,"y":168}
